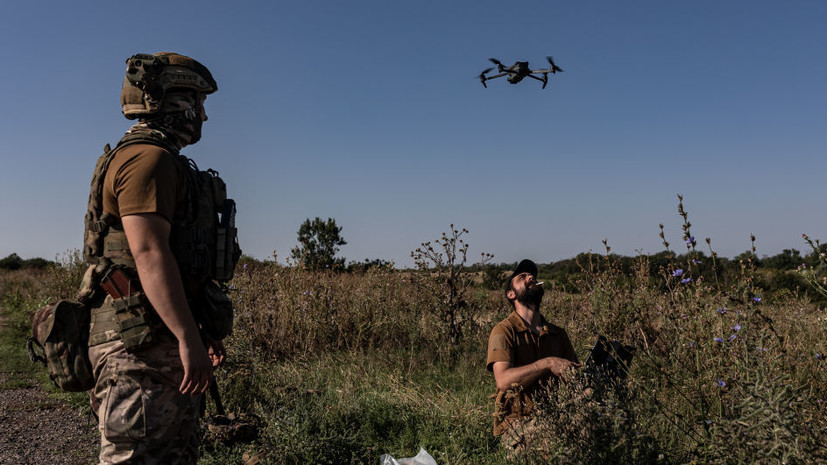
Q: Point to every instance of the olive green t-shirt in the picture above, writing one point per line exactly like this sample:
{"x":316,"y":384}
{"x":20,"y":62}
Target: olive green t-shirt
{"x":512,"y":341}
{"x":144,"y":178}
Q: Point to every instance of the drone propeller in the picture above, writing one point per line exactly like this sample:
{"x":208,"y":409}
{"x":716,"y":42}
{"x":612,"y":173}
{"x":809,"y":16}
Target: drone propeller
{"x":554,"y":68}
{"x":482,"y":77}
{"x":497,"y":62}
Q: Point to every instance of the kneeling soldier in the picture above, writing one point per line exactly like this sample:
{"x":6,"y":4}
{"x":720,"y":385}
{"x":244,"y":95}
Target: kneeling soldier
{"x":525,"y":352}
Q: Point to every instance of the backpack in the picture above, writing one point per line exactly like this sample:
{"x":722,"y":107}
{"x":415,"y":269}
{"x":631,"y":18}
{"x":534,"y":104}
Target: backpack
{"x":61,"y":331}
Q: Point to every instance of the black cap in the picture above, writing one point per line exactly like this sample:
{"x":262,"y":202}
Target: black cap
{"x":525,"y":266}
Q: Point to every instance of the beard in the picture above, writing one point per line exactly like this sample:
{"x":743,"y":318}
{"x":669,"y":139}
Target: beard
{"x":530,"y":296}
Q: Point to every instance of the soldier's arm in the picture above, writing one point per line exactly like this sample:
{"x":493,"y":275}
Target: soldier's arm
{"x":505,"y":375}
{"x":148,"y":237}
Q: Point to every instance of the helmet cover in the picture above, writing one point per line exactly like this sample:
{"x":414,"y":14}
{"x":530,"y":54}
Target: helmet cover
{"x":149,"y":77}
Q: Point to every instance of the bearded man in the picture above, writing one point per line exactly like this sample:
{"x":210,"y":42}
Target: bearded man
{"x":159,"y":240}
{"x":525,"y":352}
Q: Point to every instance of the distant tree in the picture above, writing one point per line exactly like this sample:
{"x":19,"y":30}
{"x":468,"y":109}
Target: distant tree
{"x":367,"y":264}
{"x":788,"y":259}
{"x":746,"y":256}
{"x":319,"y":242}
{"x":12,"y":262}
{"x":37,"y":263}
{"x":494,"y":276}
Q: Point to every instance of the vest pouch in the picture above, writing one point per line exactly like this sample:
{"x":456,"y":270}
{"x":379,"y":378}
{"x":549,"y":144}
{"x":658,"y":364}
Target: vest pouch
{"x":216,"y":312}
{"x":61,"y":331}
{"x":132,"y":309}
{"x":134,"y":322}
{"x":227,"y":251}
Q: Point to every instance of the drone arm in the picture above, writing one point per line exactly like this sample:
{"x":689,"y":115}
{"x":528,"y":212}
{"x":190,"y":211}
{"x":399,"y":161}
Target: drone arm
{"x":554,"y":70}
{"x":495,"y":76}
{"x":484,"y":78}
{"x":543,"y":79}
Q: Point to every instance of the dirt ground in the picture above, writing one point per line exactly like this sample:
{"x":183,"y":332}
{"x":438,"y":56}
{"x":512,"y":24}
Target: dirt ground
{"x":36,"y":429}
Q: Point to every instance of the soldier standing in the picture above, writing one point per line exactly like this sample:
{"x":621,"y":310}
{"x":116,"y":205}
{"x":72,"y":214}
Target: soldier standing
{"x":159,"y":240}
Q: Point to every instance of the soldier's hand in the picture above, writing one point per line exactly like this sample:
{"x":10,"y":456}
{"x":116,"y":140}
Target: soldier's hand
{"x":561,"y":367}
{"x":216,"y":352}
{"x":197,"y":367}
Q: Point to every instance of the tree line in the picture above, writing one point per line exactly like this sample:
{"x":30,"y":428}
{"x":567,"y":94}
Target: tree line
{"x":319,"y":242}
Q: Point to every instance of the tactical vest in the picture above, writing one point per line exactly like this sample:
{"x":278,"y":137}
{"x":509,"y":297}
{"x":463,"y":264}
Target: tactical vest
{"x":203,"y":241}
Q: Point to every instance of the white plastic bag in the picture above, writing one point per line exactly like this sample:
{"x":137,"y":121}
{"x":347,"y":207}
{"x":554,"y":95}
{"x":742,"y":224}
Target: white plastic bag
{"x":422,"y":458}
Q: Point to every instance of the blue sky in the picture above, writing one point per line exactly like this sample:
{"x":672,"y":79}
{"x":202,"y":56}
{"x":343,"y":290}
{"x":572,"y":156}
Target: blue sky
{"x":369,"y":113}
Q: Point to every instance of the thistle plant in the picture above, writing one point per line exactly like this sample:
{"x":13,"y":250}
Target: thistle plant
{"x":443,"y":264}
{"x":811,"y":273}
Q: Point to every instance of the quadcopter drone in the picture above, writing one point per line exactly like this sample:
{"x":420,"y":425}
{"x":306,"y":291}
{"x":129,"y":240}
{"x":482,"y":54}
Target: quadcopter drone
{"x":518,"y":71}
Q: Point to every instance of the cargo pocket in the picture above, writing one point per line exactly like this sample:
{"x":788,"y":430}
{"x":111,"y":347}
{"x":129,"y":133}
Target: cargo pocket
{"x":125,"y":411}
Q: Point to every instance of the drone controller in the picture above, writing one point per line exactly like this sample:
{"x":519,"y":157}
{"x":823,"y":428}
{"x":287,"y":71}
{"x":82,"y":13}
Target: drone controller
{"x":608,"y":360}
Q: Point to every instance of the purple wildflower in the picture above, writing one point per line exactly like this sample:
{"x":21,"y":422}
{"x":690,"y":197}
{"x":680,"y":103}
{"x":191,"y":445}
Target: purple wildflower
{"x":718,"y":339}
{"x":244,"y":266}
{"x":756,"y":299}
{"x":737,"y":327}
{"x":690,"y":240}
{"x":818,"y":356}
{"x":721,"y":310}
{"x":677,"y":272}
{"x":696,"y":262}
{"x":692,"y":344}
{"x":721,"y":383}
{"x":732,"y":338}
{"x":686,"y":280}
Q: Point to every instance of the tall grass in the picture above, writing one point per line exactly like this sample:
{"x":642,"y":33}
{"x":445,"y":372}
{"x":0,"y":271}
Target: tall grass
{"x":343,"y":367}
{"x":720,"y":375}
{"x":22,"y":292}
{"x":716,"y":378}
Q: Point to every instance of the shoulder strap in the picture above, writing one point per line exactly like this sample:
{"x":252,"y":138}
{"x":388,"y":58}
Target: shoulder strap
{"x":97,"y":223}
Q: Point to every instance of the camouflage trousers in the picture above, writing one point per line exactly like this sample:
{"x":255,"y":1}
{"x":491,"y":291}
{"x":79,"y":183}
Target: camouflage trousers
{"x":524,"y":439}
{"x":142,"y":417}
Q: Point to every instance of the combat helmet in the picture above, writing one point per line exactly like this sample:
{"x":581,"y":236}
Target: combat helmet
{"x":148,"y":77}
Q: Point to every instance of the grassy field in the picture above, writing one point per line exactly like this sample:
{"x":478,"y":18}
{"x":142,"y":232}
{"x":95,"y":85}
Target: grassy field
{"x":343,"y":367}
{"x":22,"y":292}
